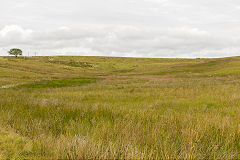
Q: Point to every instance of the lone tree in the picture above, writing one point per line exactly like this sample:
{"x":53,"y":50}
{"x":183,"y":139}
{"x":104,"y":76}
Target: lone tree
{"x":15,"y":51}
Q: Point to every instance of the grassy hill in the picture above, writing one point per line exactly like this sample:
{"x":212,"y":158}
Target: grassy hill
{"x":119,"y":108}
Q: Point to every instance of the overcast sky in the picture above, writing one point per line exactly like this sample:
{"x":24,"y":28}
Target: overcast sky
{"x":130,"y":28}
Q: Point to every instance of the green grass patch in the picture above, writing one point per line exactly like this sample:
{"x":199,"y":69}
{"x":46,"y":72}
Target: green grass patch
{"x":60,"y":83}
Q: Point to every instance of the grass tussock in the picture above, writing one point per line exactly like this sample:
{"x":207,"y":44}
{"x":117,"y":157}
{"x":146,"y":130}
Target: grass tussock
{"x":129,"y":109}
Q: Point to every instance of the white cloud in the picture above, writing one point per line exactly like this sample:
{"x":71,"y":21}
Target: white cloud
{"x":141,"y":28}
{"x":14,"y":35}
{"x":119,"y":41}
{"x":16,"y":31}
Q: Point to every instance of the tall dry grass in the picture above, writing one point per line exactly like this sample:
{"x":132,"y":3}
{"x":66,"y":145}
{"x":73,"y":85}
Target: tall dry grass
{"x":169,"y":115}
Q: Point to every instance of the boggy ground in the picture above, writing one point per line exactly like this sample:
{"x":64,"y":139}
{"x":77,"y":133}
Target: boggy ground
{"x":119,"y":108}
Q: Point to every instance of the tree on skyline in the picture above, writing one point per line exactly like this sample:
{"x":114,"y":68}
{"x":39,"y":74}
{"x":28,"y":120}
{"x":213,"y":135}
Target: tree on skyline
{"x":15,"y":51}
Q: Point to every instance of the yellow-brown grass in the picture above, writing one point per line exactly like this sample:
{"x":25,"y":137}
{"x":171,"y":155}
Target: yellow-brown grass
{"x":138,"y":109}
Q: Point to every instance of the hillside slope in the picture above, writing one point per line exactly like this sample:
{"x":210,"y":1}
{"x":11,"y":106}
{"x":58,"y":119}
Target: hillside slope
{"x":107,"y":108}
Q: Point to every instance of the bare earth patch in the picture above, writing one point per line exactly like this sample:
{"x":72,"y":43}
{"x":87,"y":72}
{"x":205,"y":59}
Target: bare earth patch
{"x":8,"y":86}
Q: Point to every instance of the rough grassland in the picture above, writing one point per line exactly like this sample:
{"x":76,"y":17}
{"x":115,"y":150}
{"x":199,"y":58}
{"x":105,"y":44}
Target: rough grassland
{"x":119,"y":108}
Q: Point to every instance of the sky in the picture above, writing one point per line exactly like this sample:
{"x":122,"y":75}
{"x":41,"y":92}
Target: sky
{"x":122,"y":28}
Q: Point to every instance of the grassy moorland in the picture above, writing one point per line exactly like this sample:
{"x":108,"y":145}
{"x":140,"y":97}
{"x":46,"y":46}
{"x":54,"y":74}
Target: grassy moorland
{"x":119,"y":108}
